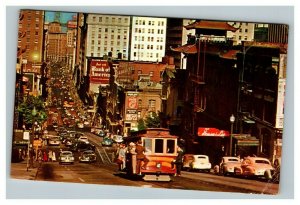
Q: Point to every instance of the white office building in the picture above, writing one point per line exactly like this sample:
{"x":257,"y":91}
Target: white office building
{"x":148,"y":38}
{"x":108,"y":34}
{"x":244,"y":33}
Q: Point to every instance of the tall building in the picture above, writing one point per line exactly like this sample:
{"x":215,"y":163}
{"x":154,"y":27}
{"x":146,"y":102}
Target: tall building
{"x":56,"y":42}
{"x":148,"y":38}
{"x":177,"y":35}
{"x":108,"y":35}
{"x":30,"y":40}
{"x":245,"y":32}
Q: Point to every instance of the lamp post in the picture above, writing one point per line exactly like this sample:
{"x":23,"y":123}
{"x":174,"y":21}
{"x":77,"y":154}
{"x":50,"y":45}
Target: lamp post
{"x":33,"y":113}
{"x":232,"y":119}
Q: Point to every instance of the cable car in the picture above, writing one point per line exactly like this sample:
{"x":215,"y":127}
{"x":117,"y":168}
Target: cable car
{"x":160,"y":150}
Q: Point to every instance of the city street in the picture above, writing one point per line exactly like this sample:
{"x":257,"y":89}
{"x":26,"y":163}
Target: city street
{"x":149,"y":102}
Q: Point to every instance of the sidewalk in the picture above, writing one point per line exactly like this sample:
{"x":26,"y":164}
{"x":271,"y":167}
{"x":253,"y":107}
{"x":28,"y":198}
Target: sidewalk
{"x":19,"y":171}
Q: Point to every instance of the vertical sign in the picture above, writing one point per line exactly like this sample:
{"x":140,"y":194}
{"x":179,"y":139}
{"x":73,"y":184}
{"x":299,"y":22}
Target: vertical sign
{"x":280,"y":103}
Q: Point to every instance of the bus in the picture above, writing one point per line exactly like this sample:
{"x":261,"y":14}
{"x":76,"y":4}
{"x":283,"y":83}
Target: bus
{"x":161,"y":151}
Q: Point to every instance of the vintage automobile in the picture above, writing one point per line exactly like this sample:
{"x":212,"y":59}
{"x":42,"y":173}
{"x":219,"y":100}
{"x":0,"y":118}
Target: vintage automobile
{"x":196,"y":162}
{"x":54,"y":141}
{"x":228,"y":164}
{"x":66,"y":157}
{"x":117,"y":138}
{"x":81,"y":146}
{"x":83,"y":139}
{"x":255,"y":167}
{"x":87,"y":156}
{"x":107,"y":141}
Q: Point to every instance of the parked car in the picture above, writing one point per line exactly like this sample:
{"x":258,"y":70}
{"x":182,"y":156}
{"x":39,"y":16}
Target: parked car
{"x":107,"y":141}
{"x":81,"y":146}
{"x":101,"y":133}
{"x":83,"y":139}
{"x":87,"y":156}
{"x":54,"y":141}
{"x":117,"y":138}
{"x":228,"y":164}
{"x":66,"y":157}
{"x":196,"y":162}
{"x":255,"y":167}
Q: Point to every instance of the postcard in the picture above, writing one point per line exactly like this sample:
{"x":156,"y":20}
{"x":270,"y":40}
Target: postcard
{"x":156,"y":102}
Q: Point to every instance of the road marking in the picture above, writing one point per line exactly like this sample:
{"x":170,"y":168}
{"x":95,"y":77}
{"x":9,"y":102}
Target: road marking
{"x":81,"y":179}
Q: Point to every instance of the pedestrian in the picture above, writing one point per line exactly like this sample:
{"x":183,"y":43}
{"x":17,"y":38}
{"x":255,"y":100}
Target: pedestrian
{"x":53,"y":156}
{"x":140,"y":157}
{"x":45,"y":157}
{"x":120,"y":160}
{"x":178,"y":161}
{"x":40,"y":157}
{"x":50,"y":156}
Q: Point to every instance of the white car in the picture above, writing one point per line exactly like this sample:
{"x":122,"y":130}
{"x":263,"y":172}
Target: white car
{"x":83,"y":139}
{"x":117,"y":138}
{"x":228,"y":165}
{"x":66,"y":157}
{"x":196,"y":162}
{"x":54,"y":141}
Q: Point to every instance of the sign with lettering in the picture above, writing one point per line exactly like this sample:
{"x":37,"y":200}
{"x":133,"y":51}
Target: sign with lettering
{"x":99,"y":72}
{"x":203,"y":131}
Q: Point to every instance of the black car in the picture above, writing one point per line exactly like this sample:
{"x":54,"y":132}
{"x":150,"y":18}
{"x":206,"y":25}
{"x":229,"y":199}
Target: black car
{"x":81,"y":146}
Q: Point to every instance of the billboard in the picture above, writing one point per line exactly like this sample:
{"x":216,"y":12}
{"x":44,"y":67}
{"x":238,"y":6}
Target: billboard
{"x":99,"y":72}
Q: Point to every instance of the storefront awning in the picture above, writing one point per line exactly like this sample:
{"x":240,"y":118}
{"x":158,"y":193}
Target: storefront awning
{"x":212,"y":132}
{"x":246,"y":140}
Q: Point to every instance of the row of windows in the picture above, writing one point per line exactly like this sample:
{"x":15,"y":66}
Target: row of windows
{"x":150,"y":23}
{"x":99,"y":55}
{"x":112,"y":30}
{"x":245,"y":30}
{"x":151,"y":31}
{"x":118,"y":43}
{"x":112,"y":36}
{"x":149,"y":47}
{"x":105,"y":49}
{"x":149,"y":38}
{"x":148,"y":55}
{"x":107,"y":19}
{"x":151,"y":102}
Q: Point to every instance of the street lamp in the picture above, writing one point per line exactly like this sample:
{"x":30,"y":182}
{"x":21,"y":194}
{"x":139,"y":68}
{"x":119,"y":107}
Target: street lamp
{"x":33,"y":113}
{"x":232,"y":119}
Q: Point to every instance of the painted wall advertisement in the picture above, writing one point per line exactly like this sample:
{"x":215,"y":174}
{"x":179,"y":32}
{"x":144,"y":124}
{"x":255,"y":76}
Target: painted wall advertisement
{"x":99,"y":74}
{"x":280,"y":104}
{"x":131,"y":106}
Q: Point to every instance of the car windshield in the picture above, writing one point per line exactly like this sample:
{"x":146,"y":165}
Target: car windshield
{"x":66,"y":153}
{"x":260,"y":161}
{"x":232,"y":160}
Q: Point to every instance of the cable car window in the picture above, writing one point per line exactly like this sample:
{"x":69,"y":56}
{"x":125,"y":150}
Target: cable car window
{"x":170,"y":146}
{"x":159,"y":145}
{"x":148,"y":145}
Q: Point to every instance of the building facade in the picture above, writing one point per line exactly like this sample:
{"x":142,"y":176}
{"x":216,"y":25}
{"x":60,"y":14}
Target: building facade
{"x":245,"y":32}
{"x":108,"y":35}
{"x":148,"y":39}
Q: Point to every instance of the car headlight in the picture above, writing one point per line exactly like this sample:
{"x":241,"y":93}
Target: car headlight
{"x":158,"y":165}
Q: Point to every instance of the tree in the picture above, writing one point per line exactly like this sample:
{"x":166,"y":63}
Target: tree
{"x":33,"y":110}
{"x":141,"y":124}
{"x":152,"y":120}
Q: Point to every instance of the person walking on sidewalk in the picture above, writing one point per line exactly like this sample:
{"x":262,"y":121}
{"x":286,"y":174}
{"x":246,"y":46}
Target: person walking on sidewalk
{"x":53,"y":156}
{"x":50,"y":154}
{"x":45,"y":157}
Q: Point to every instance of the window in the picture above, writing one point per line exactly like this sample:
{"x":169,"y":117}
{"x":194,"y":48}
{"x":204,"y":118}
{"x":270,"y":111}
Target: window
{"x":106,"y":29}
{"x":100,"y":20}
{"x":148,"y":145}
{"x":140,"y":103}
{"x":94,"y":18}
{"x":119,"y":20}
{"x":170,"y":146}
{"x":246,"y":30}
{"x":151,"y":103}
{"x":159,"y":146}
